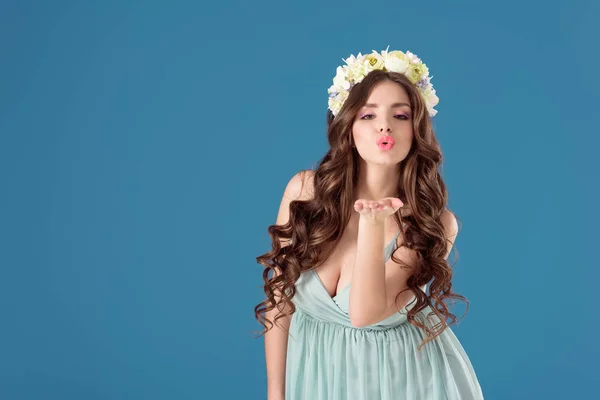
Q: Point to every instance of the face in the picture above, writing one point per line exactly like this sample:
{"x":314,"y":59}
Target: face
{"x":385,"y":116}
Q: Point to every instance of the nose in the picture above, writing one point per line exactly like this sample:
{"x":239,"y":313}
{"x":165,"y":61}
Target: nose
{"x":384,"y":125}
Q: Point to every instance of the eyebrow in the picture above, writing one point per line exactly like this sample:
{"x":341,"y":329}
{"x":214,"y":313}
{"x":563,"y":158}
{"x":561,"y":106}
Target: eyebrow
{"x":373,"y":105}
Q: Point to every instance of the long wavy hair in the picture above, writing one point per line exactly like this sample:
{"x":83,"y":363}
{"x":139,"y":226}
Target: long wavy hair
{"x":316,"y":225}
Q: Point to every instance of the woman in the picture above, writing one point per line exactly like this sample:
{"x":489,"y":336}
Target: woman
{"x":355,"y":244}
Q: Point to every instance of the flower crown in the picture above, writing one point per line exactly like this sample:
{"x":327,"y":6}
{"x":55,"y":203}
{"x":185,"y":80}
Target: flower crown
{"x":396,"y":61}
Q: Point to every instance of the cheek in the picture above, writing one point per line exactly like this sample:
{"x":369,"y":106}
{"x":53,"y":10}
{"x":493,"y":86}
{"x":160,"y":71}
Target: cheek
{"x":363,"y":141}
{"x":359,"y":134}
{"x":408,"y":134}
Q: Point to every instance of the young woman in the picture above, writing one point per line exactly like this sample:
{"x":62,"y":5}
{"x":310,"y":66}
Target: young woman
{"x":355,"y":245}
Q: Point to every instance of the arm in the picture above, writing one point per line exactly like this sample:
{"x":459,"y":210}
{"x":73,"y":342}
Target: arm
{"x":368,"y":287}
{"x":276,"y":339}
{"x":376,"y":285}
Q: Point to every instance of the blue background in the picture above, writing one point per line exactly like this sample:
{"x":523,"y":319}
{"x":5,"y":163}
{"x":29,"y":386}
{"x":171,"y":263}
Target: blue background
{"x":145,"y":146}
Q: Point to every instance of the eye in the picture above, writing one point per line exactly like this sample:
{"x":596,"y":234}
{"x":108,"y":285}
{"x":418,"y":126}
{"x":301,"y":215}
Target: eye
{"x":403,"y":117}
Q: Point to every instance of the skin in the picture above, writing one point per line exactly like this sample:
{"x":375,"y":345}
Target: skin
{"x":378,"y":172}
{"x":377,"y":211}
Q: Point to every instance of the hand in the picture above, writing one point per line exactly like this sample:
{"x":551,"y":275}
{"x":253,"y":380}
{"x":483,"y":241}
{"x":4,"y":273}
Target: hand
{"x":378,"y":210}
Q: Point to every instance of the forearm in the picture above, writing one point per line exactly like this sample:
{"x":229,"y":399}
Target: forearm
{"x":276,"y":340}
{"x":275,"y":353}
{"x":367,"y":290}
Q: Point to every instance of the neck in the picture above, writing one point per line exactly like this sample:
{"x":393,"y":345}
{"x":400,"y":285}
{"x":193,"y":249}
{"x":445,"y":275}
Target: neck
{"x":377,"y":181}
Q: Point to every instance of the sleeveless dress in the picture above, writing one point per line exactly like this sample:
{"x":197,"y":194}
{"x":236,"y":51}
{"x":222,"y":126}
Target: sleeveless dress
{"x":329,"y":359}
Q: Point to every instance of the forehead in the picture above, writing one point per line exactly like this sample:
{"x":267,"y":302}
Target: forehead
{"x":387,"y":93}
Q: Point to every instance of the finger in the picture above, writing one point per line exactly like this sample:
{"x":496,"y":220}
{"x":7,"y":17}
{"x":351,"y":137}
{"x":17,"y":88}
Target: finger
{"x":361,"y":204}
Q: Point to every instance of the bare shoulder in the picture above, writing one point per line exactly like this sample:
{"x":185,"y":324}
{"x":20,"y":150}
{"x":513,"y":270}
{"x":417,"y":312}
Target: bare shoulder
{"x":300,"y":186}
{"x":450,"y":229}
{"x":450,"y":224}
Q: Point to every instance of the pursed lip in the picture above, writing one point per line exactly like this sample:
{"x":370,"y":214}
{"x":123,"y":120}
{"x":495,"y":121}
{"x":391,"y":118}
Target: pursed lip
{"x":386,"y":138}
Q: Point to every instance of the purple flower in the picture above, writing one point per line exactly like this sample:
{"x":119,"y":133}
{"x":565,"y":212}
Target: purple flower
{"x":423,"y":83}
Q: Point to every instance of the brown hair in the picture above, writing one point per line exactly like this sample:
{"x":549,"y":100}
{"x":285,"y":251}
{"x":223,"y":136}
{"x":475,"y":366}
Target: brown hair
{"x":319,"y":221}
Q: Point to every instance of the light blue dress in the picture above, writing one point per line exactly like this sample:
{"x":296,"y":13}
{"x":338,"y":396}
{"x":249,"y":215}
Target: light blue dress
{"x":329,"y":359}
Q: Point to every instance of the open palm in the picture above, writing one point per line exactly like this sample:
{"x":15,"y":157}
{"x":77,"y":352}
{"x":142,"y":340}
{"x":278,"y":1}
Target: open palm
{"x":378,"y":210}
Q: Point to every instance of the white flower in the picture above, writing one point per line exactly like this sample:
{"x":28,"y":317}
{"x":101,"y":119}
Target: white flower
{"x":374,"y":61}
{"x":334,"y":106}
{"x":416,"y":72}
{"x":412,"y":58}
{"x":340,"y":80}
{"x":431,"y":98}
{"x":336,"y":101}
{"x":357,"y":71}
{"x":351,"y":60}
{"x":396,"y":61}
{"x":357,"y":67}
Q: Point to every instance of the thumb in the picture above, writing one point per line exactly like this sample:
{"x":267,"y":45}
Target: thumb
{"x":396,"y":203}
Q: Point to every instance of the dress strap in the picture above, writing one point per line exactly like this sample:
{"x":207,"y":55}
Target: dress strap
{"x":393,"y":241}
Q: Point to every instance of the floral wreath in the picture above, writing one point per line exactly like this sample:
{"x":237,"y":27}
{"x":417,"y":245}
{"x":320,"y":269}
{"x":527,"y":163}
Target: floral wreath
{"x":358,"y":67}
